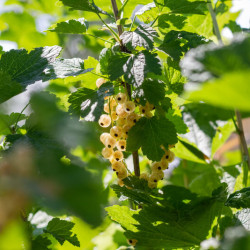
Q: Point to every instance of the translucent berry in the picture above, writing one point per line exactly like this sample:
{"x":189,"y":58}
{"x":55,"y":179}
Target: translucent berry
{"x":103,"y":137}
{"x":142,"y":109}
{"x":169,"y":156}
{"x":164,"y":164}
{"x":156,"y":166}
{"x":118,"y":166}
{"x":110,"y":142}
{"x":132,"y":119}
{"x":132,"y":242}
{"x":121,"y":145}
{"x":156,"y":176}
{"x":120,"y":111}
{"x":99,"y":82}
{"x":116,"y":132}
{"x":152,"y":184}
{"x":129,"y":106}
{"x":121,"y":122}
{"x":106,"y":107}
{"x":121,"y":98}
{"x":118,"y":155}
{"x":104,"y":121}
{"x":107,"y":152}
{"x":114,"y":116}
{"x":149,"y":106}
{"x":144,"y":176}
{"x":122,"y":173}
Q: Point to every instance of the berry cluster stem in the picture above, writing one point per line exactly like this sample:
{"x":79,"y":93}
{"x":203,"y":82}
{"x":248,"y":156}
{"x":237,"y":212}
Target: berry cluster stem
{"x":239,"y":128}
{"x":119,"y":27}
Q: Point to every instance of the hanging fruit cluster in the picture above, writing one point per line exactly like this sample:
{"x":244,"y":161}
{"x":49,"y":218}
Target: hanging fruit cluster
{"x":121,"y":115}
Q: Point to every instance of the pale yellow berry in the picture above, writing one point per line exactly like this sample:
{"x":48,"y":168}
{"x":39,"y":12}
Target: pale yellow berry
{"x":169,"y":156}
{"x":118,"y":166}
{"x":152,"y":184}
{"x":121,"y":145}
{"x":156,"y":166}
{"x":142,"y":110}
{"x":129,"y":106}
{"x":103,"y":137}
{"x":144,"y":176}
{"x":121,"y":122}
{"x":114,"y":116}
{"x":106,"y":107}
{"x":121,"y":98}
{"x":164,"y":164}
{"x":156,"y":176}
{"x":110,"y":142}
{"x":126,"y":128}
{"x":132,"y":119}
{"x":107,"y":152}
{"x":116,"y":132}
{"x":122,"y":173}
{"x":99,"y":82}
{"x":104,"y":121}
{"x":118,"y":155}
{"x":132,"y":242}
{"x":149,"y":106}
{"x":120,"y":111}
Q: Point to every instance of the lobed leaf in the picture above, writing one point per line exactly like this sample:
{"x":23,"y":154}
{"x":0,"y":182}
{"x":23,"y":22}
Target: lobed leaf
{"x":239,"y":199}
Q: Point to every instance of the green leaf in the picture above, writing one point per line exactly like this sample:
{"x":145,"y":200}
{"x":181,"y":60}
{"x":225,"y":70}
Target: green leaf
{"x":176,"y":43}
{"x":134,"y":67}
{"x":243,"y":218}
{"x":224,"y":93}
{"x":7,"y":121}
{"x":19,"y":69}
{"x":61,"y":230}
{"x":179,"y":219}
{"x":148,"y":13}
{"x":41,"y":242}
{"x":73,"y":26}
{"x":180,"y":126}
{"x":239,"y":199}
{"x":89,"y":103}
{"x":151,"y":90}
{"x":150,"y":134}
{"x":142,"y":36}
{"x":104,"y":56}
{"x":183,"y":6}
{"x":209,"y":61}
{"x":85,"y":5}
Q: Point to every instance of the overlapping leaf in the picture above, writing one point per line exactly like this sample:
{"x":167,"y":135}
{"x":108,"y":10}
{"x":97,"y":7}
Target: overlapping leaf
{"x":88,"y":102}
{"x":239,"y":199}
{"x":134,"y":67}
{"x":61,"y":230}
{"x":73,"y":26}
{"x":142,"y":36}
{"x":150,"y":134}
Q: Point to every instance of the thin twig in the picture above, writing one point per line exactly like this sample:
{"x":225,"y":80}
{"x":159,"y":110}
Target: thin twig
{"x":239,"y":127}
{"x":117,"y":15}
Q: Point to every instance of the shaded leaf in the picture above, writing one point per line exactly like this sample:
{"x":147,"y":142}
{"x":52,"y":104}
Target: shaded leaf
{"x":61,"y":230}
{"x":89,"y":103}
{"x":41,"y":243}
{"x":239,"y":199}
{"x":150,"y":134}
{"x":142,"y":36}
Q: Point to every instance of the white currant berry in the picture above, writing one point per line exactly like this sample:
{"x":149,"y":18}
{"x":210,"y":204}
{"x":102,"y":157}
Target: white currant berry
{"x":110,"y":142}
{"x":169,"y":156}
{"x":116,"y":132}
{"x":132,"y":242}
{"x":114,"y":116}
{"x":121,"y":122}
{"x":132,"y":119}
{"x":122,"y":173}
{"x":103,"y":137}
{"x":99,"y":82}
{"x":120,"y":111}
{"x":121,"y":98}
{"x":118,"y":166}
{"x":121,"y":145}
{"x":164,"y":164}
{"x":117,"y":155}
{"x":104,"y":121}
{"x":129,"y":106}
{"x":156,"y":176}
{"x":156,"y":166}
{"x":107,"y":152}
{"x":149,"y":106}
{"x":126,"y":128}
{"x":106,"y":107}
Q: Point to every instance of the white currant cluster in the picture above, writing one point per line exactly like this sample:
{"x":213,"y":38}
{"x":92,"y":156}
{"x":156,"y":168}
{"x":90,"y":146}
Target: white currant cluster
{"x":121,"y":115}
{"x":157,"y":168}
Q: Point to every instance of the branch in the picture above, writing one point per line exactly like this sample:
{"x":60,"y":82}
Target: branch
{"x":119,"y":27}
